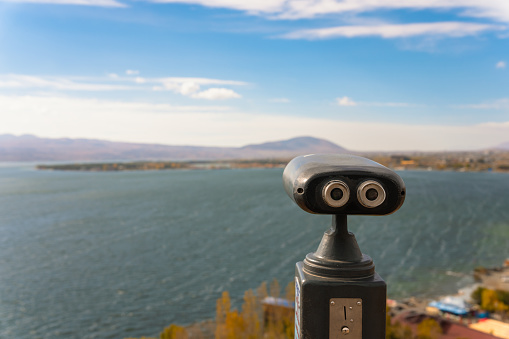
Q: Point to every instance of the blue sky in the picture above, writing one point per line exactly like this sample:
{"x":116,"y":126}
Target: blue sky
{"x":367,"y":75}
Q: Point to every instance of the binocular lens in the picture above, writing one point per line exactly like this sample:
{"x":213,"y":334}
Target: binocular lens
{"x":370,"y":194}
{"x":335,"y":193}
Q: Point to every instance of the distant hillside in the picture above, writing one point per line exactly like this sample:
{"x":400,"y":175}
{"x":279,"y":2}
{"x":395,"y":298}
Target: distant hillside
{"x":32,"y":148}
{"x":504,"y":146}
{"x":291,"y":147}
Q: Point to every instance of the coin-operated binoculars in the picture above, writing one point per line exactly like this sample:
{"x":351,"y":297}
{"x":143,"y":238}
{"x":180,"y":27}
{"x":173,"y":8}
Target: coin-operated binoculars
{"x":338,"y":294}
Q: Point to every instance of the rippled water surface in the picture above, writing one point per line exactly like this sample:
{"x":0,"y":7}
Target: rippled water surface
{"x":112,"y":255}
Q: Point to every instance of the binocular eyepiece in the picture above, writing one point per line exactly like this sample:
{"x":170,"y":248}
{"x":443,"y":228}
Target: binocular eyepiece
{"x":343,"y":184}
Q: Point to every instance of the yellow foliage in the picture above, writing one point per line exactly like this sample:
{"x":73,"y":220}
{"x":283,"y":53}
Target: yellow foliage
{"x":253,"y":322}
{"x":429,"y":329}
{"x":223,"y":306}
{"x":489,"y":300}
{"x":492,"y":301}
{"x":396,"y":330}
{"x":290,"y":291}
{"x":275,"y":289}
{"x":261,"y":291}
{"x":174,"y":332}
{"x":279,"y":320}
{"x":251,"y":314}
{"x":234,"y":326}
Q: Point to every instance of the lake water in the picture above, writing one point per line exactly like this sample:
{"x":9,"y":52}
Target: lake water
{"x":112,"y":255}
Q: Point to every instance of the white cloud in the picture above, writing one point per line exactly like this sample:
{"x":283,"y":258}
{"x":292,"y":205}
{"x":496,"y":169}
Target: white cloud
{"x":184,"y":87}
{"x":391,"y":31}
{"x":191,"y":87}
{"x":497,"y":10}
{"x":17,"y":81}
{"x":346,"y":101}
{"x":496,"y":104}
{"x":220,"y":126}
{"x":386,"y":104}
{"x":280,"y":100}
{"x":500,"y":64}
{"x":216,"y":94}
{"x":250,"y":6}
{"x":99,"y":3}
{"x":200,"y":81}
{"x":132,"y":72}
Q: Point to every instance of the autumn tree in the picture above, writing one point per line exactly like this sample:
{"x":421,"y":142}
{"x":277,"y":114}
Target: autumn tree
{"x":492,"y":303}
{"x":275,"y":290}
{"x":503,"y":296}
{"x":276,"y":321}
{"x":252,"y":314}
{"x":174,"y":332}
{"x":234,"y":326}
{"x":290,"y":291}
{"x":290,"y":296}
{"x":429,"y":329}
{"x":223,"y":306}
{"x":396,"y":330}
{"x":273,"y":321}
{"x":261,"y":291}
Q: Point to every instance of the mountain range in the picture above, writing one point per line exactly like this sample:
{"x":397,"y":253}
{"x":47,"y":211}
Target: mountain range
{"x":33,"y":148}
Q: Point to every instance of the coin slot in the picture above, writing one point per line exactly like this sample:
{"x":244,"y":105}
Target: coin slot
{"x":342,"y":323}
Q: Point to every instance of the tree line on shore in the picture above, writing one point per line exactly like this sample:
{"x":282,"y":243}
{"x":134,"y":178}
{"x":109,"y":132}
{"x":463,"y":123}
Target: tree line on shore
{"x":253,"y":321}
{"x":256,"y":320}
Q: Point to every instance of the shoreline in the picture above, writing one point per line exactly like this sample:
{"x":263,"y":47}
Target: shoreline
{"x":120,"y":166}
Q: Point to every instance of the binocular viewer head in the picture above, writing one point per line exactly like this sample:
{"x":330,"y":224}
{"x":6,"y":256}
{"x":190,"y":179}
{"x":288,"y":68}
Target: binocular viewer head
{"x":337,"y":288}
{"x":343,"y":184}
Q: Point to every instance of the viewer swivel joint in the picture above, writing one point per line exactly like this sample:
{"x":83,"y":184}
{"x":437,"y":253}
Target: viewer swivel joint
{"x":338,"y":294}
